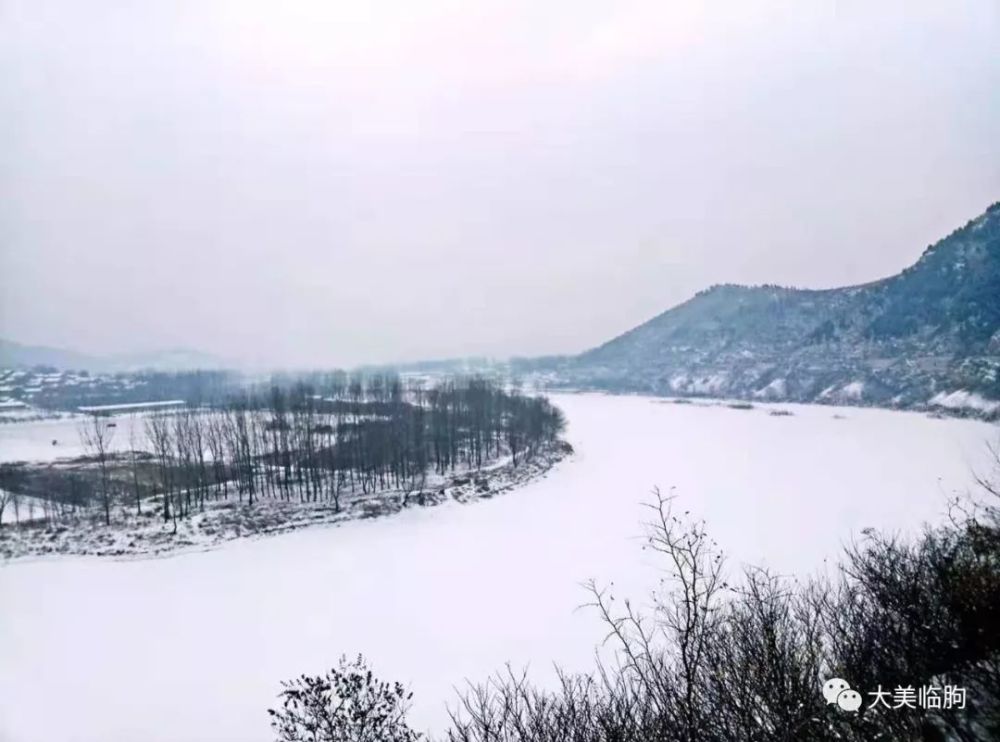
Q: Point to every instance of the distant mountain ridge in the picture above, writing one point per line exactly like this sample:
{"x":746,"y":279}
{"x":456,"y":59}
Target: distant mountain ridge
{"x":929,"y":335}
{"x":19,"y":355}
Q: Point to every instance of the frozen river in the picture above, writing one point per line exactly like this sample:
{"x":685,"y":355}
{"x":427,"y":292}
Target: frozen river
{"x":192,"y":647}
{"x":59,"y":438}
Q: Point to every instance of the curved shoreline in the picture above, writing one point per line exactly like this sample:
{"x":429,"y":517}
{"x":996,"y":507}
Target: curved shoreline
{"x":226,"y":521}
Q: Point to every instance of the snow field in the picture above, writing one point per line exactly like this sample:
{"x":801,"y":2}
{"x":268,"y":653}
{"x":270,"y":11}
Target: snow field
{"x":192,"y":647}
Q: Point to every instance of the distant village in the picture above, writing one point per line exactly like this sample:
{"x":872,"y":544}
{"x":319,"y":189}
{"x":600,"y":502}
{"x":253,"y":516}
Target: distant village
{"x":43,"y":391}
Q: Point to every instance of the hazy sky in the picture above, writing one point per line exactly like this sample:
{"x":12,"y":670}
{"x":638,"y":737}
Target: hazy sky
{"x":317,"y":182}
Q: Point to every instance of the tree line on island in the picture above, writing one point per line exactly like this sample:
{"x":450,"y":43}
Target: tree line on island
{"x":314,"y":440}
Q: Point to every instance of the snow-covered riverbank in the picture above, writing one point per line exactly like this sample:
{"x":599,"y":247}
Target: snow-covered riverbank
{"x":134,"y":535}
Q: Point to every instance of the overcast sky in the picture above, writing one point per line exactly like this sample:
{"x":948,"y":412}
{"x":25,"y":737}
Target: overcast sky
{"x":311,"y":183}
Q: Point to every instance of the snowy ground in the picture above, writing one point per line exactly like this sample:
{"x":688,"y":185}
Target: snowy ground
{"x":146,"y":534}
{"x":192,"y":647}
{"x":32,"y":441}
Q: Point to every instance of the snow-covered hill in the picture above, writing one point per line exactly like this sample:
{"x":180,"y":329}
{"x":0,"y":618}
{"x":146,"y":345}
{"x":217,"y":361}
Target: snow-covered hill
{"x":929,"y":333}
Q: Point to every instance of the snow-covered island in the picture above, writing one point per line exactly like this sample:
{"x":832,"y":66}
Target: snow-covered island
{"x":144,"y":479}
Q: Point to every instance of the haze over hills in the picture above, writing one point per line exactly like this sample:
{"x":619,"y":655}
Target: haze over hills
{"x":19,"y":355}
{"x":932,"y":332}
{"x":928,"y":336}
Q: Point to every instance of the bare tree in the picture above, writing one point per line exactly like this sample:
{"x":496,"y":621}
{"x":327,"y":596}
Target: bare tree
{"x":97,"y":434}
{"x":158,"y":433}
{"x":667,"y":653}
{"x":216,"y":438}
{"x":133,"y":445}
{"x":348,"y":704}
{"x":5,"y":498}
{"x":11,"y":480}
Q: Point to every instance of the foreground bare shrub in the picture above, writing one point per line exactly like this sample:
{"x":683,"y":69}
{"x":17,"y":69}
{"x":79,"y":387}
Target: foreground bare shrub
{"x":586,"y":708}
{"x":348,"y":704}
{"x":712,"y":662}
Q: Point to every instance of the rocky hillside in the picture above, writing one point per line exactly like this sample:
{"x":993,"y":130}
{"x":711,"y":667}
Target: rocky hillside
{"x":929,"y":336}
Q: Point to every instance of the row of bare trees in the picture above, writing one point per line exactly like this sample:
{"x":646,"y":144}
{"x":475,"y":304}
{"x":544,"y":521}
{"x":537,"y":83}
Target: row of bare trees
{"x":341,"y":437}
